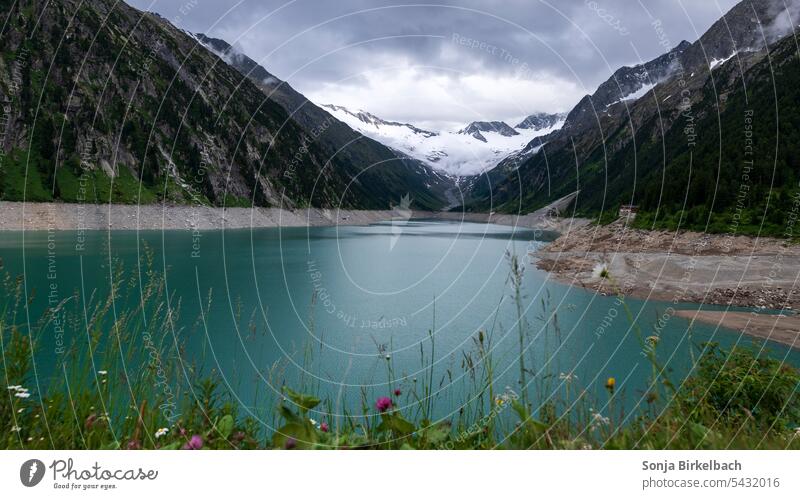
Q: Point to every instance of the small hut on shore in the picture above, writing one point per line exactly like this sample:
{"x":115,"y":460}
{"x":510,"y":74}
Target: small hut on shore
{"x":628,"y":211}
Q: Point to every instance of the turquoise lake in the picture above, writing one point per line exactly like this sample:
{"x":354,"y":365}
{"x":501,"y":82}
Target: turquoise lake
{"x":326,"y":307}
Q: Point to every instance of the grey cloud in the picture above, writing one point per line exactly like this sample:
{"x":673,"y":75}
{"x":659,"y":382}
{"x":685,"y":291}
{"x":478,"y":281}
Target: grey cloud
{"x":319,"y":43}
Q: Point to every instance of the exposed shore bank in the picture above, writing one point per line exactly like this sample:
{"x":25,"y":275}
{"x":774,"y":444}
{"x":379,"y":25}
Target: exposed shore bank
{"x":685,"y":267}
{"x":780,"y":328}
{"x":18,"y":216}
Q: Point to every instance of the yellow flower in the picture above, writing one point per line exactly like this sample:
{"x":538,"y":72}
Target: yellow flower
{"x":610,"y":384}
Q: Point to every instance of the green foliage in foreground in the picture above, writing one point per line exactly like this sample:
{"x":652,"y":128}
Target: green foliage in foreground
{"x":731,"y":399}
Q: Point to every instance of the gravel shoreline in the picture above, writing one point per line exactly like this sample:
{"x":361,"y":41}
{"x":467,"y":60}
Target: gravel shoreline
{"x":17,"y":216}
{"x":780,"y":328}
{"x":686,"y":267}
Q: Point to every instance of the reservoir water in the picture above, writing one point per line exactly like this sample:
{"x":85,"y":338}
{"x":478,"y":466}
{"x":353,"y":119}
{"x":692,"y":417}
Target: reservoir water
{"x":351,"y":310}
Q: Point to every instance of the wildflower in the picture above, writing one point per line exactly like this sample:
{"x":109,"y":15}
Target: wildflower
{"x":323,"y":427}
{"x":16,"y":428}
{"x":600,"y":271}
{"x":16,"y":388}
{"x":506,"y":398}
{"x":611,"y":383}
{"x":194,"y":443}
{"x":19,"y":411}
{"x":102,"y":373}
{"x":90,"y":420}
{"x":290,"y":444}
{"x":312,"y":422}
{"x":383,"y":404}
{"x":161,"y":432}
{"x":22,"y":395}
{"x":598,"y":420}
{"x":567,"y":377}
{"x":397,"y":392}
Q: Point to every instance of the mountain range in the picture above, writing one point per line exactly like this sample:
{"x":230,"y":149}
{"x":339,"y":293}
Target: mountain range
{"x":471,"y":150}
{"x":705,"y":136}
{"x":105,"y":103}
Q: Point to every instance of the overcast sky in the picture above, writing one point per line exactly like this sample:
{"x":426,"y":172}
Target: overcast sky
{"x":450,"y":62}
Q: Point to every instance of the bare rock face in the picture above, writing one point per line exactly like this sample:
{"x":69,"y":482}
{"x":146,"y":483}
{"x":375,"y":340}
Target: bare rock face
{"x":541,"y":121}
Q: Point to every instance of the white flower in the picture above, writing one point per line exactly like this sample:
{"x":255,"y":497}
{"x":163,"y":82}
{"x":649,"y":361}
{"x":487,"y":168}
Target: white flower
{"x":567,"y":377}
{"x":312,"y":421}
{"x":102,"y":373}
{"x":506,"y":398}
{"x":161,"y":432}
{"x":598,"y":420}
{"x":16,"y":388}
{"x":16,"y":428}
{"x":22,"y":395}
{"x":600,"y":270}
{"x":388,"y":357}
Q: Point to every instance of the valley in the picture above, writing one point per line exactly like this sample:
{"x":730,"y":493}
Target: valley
{"x":326,"y":225}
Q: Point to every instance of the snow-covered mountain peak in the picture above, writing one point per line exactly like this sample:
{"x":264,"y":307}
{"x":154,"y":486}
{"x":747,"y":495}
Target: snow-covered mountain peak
{"x":540,"y":121}
{"x":370,"y":119}
{"x":478,"y":128}
{"x":478,"y":147}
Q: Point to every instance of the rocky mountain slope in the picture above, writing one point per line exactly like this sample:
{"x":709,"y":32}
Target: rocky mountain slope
{"x":106,"y":103}
{"x":375,"y":165}
{"x":541,"y":121}
{"x":673,"y":134}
